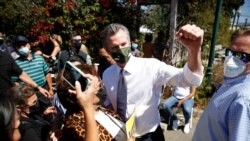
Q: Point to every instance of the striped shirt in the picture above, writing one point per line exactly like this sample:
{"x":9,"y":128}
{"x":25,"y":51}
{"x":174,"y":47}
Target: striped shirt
{"x":36,"y":68}
{"x":227,"y":116}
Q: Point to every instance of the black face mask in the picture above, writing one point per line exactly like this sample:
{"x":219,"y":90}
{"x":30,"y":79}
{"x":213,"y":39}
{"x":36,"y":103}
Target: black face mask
{"x":77,"y":44}
{"x":121,"y":55}
{"x":34,"y":110}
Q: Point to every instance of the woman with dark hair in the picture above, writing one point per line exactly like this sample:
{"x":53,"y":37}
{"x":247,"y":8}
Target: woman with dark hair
{"x":9,"y":119}
{"x":75,"y":128}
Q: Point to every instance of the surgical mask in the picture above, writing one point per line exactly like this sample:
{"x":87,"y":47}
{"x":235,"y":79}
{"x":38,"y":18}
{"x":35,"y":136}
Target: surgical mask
{"x":121,"y":55}
{"x":24,"y":51}
{"x":233,"y":67}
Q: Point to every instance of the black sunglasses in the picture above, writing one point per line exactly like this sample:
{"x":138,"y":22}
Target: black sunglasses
{"x":245,"y":57}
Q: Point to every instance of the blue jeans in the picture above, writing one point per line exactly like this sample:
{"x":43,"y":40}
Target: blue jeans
{"x":186,"y":106}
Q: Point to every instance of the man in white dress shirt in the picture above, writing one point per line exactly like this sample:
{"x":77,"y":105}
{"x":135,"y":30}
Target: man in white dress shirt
{"x":145,"y":77}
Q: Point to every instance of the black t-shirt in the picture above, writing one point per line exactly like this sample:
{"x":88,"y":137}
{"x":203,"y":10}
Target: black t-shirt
{"x":28,"y":130}
{"x":104,"y":64}
{"x":8,"y":68}
{"x":66,"y":54}
{"x":34,"y":129}
{"x":48,"y":49}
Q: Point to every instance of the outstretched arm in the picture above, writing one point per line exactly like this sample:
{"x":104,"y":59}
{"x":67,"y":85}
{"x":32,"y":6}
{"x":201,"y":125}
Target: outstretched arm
{"x":57,"y":47}
{"x":26,"y":78}
{"x":49,"y":82}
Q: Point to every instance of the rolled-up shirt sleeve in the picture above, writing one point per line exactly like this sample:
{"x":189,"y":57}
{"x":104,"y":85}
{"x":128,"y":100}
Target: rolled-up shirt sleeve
{"x":193,"y":78}
{"x":182,"y":77}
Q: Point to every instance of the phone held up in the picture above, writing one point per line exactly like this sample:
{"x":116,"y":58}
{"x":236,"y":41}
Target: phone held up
{"x":71,"y":74}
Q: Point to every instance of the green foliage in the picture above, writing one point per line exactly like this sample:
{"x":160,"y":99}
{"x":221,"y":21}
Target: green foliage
{"x":156,"y":17}
{"x":199,"y":12}
{"x":205,"y":90}
{"x":16,"y":16}
{"x":203,"y":93}
{"x":39,"y":19}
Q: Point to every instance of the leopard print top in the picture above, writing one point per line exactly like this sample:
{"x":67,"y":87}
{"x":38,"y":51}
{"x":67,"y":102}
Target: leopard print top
{"x":74,"y":128}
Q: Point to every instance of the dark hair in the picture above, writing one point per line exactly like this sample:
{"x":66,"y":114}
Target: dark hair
{"x":110,"y":30}
{"x":77,"y":58}
{"x":7,"y":115}
{"x":73,"y":34}
{"x":148,"y":37}
{"x":69,"y":100}
{"x":21,"y":94}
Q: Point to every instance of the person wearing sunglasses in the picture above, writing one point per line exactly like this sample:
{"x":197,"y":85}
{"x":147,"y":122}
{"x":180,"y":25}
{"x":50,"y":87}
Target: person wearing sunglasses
{"x":227,"y":115}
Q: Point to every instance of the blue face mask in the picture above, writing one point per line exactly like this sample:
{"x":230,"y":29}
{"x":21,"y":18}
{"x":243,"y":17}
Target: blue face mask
{"x":24,"y":51}
{"x":233,"y":67}
{"x":134,"y":46}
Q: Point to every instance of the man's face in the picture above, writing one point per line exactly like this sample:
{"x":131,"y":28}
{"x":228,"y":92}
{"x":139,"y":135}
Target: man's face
{"x":76,"y":42}
{"x":240,"y":48}
{"x":118,"y":40}
{"x":241,"y":44}
{"x":31,"y":101}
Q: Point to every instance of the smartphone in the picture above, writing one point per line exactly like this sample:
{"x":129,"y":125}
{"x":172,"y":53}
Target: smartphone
{"x":71,"y":74}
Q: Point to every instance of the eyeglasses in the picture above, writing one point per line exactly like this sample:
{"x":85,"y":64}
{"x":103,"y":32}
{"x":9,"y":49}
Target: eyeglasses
{"x":34,"y":103}
{"x":245,"y":57}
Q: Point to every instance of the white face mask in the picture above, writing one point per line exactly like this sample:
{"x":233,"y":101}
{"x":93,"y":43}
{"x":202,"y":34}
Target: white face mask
{"x":24,"y":51}
{"x":233,"y":67}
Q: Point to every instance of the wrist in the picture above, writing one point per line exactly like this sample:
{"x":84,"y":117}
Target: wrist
{"x":88,"y":107}
{"x":37,"y":87}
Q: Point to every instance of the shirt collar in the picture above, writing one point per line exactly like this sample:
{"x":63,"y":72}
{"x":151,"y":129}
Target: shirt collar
{"x":242,"y":78}
{"x":130,"y":67}
{"x":25,"y":58}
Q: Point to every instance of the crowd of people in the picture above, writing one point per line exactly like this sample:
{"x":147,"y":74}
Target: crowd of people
{"x":33,"y":108}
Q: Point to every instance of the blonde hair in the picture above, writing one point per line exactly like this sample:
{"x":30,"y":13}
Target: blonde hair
{"x":58,"y":38}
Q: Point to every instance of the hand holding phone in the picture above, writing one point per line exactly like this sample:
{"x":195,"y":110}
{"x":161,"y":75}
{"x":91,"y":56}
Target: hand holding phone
{"x":71,"y":74}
